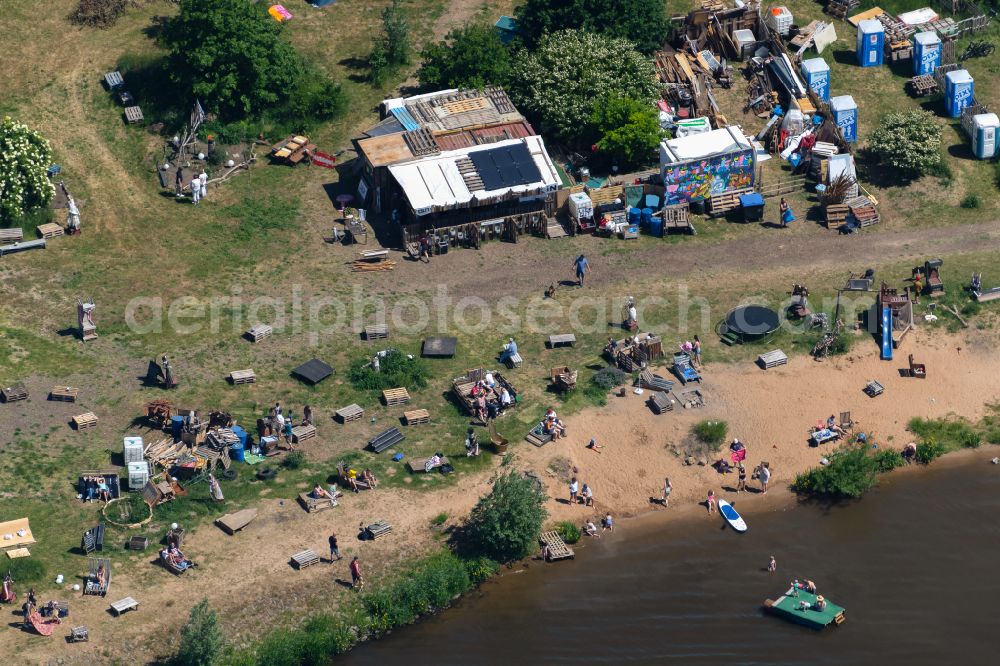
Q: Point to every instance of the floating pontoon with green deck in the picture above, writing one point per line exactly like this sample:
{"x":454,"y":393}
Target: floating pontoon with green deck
{"x":804,"y":609}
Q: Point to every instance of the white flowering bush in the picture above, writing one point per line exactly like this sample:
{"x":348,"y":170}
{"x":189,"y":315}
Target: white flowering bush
{"x":562,"y":80}
{"x":25,"y":157}
{"x":909,"y":142}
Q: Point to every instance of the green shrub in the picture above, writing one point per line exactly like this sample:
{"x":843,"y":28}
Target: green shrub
{"x":505,"y":524}
{"x":712,"y":433}
{"x":851,"y":473}
{"x":439,"y":519}
{"x":480,"y":569}
{"x":971,"y":201}
{"x":568,"y":530}
{"x":950,"y":434}
{"x":887,"y":460}
{"x":294,"y":460}
{"x":395,"y":369}
{"x":201,"y":638}
{"x":928,"y":450}
{"x":909,"y":142}
{"x":608,"y":378}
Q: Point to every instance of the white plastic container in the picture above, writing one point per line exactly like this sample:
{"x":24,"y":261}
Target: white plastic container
{"x":580,"y":206}
{"x":780,"y":18}
{"x":138,"y":475}
{"x":133,"y":448}
{"x":744,"y":40}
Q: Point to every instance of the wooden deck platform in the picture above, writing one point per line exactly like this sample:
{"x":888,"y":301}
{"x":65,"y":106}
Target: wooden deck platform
{"x":558,"y":550}
{"x":238,"y":377}
{"x":85,"y":421}
{"x":304,"y":559}
{"x":259,"y":332}
{"x":232,"y":523}
{"x":63,"y":394}
{"x":352,"y":412}
{"x":396,"y":396}
{"x":415,"y":416}
{"x":802,"y":609}
{"x":49,"y":230}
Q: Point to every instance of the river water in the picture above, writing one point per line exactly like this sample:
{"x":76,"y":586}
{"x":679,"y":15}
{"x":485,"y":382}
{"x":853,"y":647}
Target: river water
{"x":914,"y":563}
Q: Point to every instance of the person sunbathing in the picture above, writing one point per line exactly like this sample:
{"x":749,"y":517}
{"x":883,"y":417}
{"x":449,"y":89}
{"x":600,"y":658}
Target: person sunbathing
{"x":318,"y":492}
{"x":101,"y":577}
{"x":370,"y":478}
{"x":179,"y":560}
{"x":103,"y":493}
{"x":352,"y":479}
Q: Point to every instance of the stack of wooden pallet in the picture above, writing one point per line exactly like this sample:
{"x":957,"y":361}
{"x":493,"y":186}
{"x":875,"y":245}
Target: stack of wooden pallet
{"x":14,"y":393}
{"x":416,"y":416}
{"x":305,"y":558}
{"x":63,"y":394}
{"x":660,"y":402}
{"x":721,"y":204}
{"x":221,"y":438}
{"x":863,"y":210}
{"x":841,"y":8}
{"x":396,"y":396}
{"x":85,"y":421}
{"x":303,"y":432}
{"x":49,"y":230}
{"x":376,"y":332}
{"x":772,"y":359}
{"x":350,"y":413}
{"x":923,"y":85}
{"x":164,"y":452}
{"x":836,"y":215}
{"x":259,"y":332}
{"x":379,"y":529}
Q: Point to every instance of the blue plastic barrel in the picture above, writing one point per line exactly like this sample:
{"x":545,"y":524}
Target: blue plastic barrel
{"x":655,"y":227}
{"x":647,"y":215}
{"x":237,"y":452}
{"x":176,"y":425}
{"x":634,"y":215}
{"x":241,"y":434}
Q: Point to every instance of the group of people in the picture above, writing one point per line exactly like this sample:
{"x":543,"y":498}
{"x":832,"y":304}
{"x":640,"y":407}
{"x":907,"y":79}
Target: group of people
{"x":278,"y":424}
{"x":172,"y":556}
{"x":95,"y":487}
{"x":367,"y":476}
{"x":607,"y":525}
{"x":198,"y":185}
{"x":487,"y":402}
{"x":552,"y":425}
{"x":577,"y":495}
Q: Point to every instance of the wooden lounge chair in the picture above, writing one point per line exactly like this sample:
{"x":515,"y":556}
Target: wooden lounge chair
{"x":313,"y":504}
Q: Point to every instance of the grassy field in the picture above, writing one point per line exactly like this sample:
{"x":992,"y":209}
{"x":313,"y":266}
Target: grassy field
{"x":259,"y":235}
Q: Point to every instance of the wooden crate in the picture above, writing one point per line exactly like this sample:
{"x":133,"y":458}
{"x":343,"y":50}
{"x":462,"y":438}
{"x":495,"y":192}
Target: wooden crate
{"x":304,"y":559}
{"x":836,"y":215}
{"x":396,"y":396}
{"x":14,"y":393}
{"x":133,"y":114}
{"x":49,"y":230}
{"x":238,"y":377}
{"x":303,"y":432}
{"x":85,"y":421}
{"x":63,"y":394}
{"x":416,"y":416}
{"x":350,"y":413}
{"x":11,"y":235}
{"x":259,"y":332}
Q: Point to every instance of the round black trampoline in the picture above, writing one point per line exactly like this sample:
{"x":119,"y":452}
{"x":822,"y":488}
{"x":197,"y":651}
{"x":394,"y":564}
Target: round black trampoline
{"x":752,"y":322}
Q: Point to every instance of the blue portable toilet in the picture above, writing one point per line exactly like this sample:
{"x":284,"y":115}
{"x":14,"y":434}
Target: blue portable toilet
{"x":845,"y":114}
{"x":985,"y":135}
{"x":871,"y":43}
{"x":958,"y":88}
{"x":926,"y":52}
{"x":817,"y":75}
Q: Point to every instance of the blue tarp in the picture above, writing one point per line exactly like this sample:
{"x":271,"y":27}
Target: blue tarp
{"x":408,"y":122}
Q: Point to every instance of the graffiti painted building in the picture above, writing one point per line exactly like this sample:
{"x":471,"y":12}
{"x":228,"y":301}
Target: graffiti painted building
{"x":703,"y":165}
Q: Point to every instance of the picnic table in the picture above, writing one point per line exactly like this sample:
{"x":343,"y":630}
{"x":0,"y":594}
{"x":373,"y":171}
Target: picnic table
{"x":562,"y":339}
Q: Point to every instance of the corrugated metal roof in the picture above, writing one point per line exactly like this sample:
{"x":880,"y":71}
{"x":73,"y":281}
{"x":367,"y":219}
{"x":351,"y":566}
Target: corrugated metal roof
{"x":405,"y":119}
{"x":469,"y":138}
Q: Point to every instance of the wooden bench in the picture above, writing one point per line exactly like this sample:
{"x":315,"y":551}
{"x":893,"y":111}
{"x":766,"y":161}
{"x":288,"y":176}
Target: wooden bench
{"x":122,"y":605}
{"x":63,"y":394}
{"x":14,"y":393}
{"x":49,"y":230}
{"x":313,"y":504}
{"x":84,"y":421}
{"x":238,"y":377}
{"x":259,"y":332}
{"x":352,"y":412}
{"x":79,"y":634}
{"x":514,"y":361}
{"x":419,"y":465}
{"x":772,"y":359}
{"x":133,"y":114}
{"x":567,"y":339}
{"x":416,"y":416}
{"x":376,"y":332}
{"x":385,"y":440}
{"x":396,"y":396}
{"x":11,"y":235}
{"x":303,"y":432}
{"x":378,"y":529}
{"x":305,"y":559}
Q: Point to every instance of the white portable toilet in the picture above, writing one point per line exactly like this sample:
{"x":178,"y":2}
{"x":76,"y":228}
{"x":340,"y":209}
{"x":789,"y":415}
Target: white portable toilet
{"x":845,"y":114}
{"x":958,"y":91}
{"x":870,"y":43}
{"x":926,"y":52}
{"x":986,"y":135}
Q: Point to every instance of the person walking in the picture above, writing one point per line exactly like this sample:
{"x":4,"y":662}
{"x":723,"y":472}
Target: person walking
{"x":765,"y":476}
{"x":772,"y":565}
{"x":195,"y":190}
{"x":334,"y":550}
{"x":357,"y":576}
{"x":582,"y":266}
{"x":787,"y":216}
{"x":696,"y":350}
{"x":711,"y":501}
{"x":574,"y":488}
{"x":179,"y":182}
{"x":667,"y":488}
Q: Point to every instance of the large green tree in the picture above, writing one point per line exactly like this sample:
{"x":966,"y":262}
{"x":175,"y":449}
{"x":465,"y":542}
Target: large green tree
{"x":561,"y":82}
{"x":629,"y":130}
{"x":641,"y":21}
{"x":231,"y":55}
{"x":469,"y":57}
{"x":505,"y":524}
{"x":908,"y":141}
{"x":25,"y":156}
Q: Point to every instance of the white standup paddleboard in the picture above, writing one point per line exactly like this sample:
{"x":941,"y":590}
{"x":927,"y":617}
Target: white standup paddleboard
{"x":732,"y":516}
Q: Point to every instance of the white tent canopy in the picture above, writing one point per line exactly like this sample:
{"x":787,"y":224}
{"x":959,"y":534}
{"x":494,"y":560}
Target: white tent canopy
{"x":701,"y":146}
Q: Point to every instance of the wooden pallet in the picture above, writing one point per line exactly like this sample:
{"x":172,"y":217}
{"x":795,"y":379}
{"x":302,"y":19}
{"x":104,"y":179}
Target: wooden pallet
{"x":11,"y":235}
{"x":772,"y":359}
{"x":376,"y":332}
{"x":660,"y":402}
{"x":79,"y":634}
{"x":514,"y":361}
{"x":352,"y":412}
{"x":836,"y":215}
{"x":396,"y":396}
{"x":567,"y":339}
{"x":49,"y":230}
{"x":85,"y":421}
{"x":558,"y":550}
{"x":379,"y":529}
{"x":304,"y":559}
{"x":133,"y":114}
{"x":416,"y":416}
{"x":14,"y":393}
{"x":63,"y":394}
{"x":313,"y":504}
{"x":259,"y":332}
{"x":303,"y":432}
{"x":122,"y":605}
{"x":238,"y":377}
{"x":727,"y":201}
{"x":114,"y":80}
